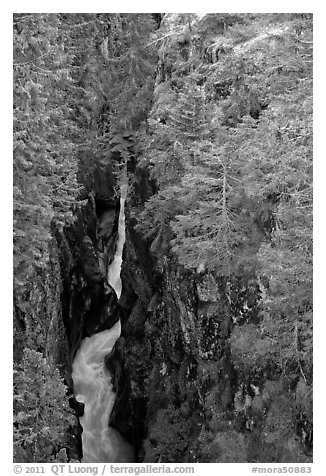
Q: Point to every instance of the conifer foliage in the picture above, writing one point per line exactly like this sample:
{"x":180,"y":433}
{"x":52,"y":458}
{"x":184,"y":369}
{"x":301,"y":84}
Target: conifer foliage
{"x":45,"y":163}
{"x":217,"y":109}
{"x":42,"y":415}
{"x":240,"y":203}
{"x":82,"y":82}
{"x":187,"y":120}
{"x":239,"y":146}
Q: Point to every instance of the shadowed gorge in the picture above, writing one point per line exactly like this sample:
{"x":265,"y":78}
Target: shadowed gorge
{"x":92,"y":386}
{"x":92,"y":380}
{"x":163,"y":238}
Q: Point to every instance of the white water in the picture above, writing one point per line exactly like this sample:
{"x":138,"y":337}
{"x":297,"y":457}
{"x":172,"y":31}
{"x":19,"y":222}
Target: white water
{"x":115,"y":267}
{"x":92,"y":380}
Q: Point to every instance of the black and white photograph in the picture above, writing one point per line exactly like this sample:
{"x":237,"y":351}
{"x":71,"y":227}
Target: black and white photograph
{"x":162,"y":240}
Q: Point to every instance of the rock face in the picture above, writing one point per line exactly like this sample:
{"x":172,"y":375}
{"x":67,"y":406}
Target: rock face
{"x":189,"y":384}
{"x":181,"y":396}
{"x":185,"y":390}
{"x":89,"y":304}
{"x":175,"y":322}
{"x":185,"y":367}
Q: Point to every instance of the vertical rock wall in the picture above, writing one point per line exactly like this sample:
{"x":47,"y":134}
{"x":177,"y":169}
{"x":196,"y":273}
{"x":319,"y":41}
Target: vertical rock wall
{"x":85,"y":250}
{"x":181,"y":395}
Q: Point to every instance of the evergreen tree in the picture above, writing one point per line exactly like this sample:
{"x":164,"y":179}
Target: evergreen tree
{"x":241,"y":202}
{"x":228,"y":143}
{"x":208,"y":234}
{"x":45,"y":161}
{"x":41,"y":411}
{"x":187,"y":121}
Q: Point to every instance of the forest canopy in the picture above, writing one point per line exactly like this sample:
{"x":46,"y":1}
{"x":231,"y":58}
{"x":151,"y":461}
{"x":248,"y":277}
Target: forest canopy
{"x":212,"y":117}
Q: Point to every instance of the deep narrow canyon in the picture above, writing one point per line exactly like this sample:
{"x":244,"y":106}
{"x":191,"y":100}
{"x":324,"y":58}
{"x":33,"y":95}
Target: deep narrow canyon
{"x":163,"y":259}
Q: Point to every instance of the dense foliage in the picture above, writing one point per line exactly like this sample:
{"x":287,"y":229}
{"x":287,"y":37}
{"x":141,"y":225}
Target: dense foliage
{"x":80,"y":81}
{"x":230,"y":145}
{"x":215,"y":110}
{"x":236,"y":190}
{"x":41,"y":411}
{"x":71,"y":92}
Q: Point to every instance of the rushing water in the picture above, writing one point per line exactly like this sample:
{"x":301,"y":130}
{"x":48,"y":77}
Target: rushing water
{"x":92,"y":380}
{"x":115,"y":267}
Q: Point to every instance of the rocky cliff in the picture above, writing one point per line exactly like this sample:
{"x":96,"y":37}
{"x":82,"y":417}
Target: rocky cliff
{"x":192,"y":385}
{"x":190,"y":381}
{"x":182,"y":393}
{"x":85,"y":249}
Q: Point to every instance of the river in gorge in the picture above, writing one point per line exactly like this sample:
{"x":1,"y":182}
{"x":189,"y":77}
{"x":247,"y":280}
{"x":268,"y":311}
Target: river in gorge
{"x":92,"y":380}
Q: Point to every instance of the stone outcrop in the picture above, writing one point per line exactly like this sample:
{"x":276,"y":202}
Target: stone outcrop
{"x":184,"y":393}
{"x":181,"y":396}
{"x":85,"y":249}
